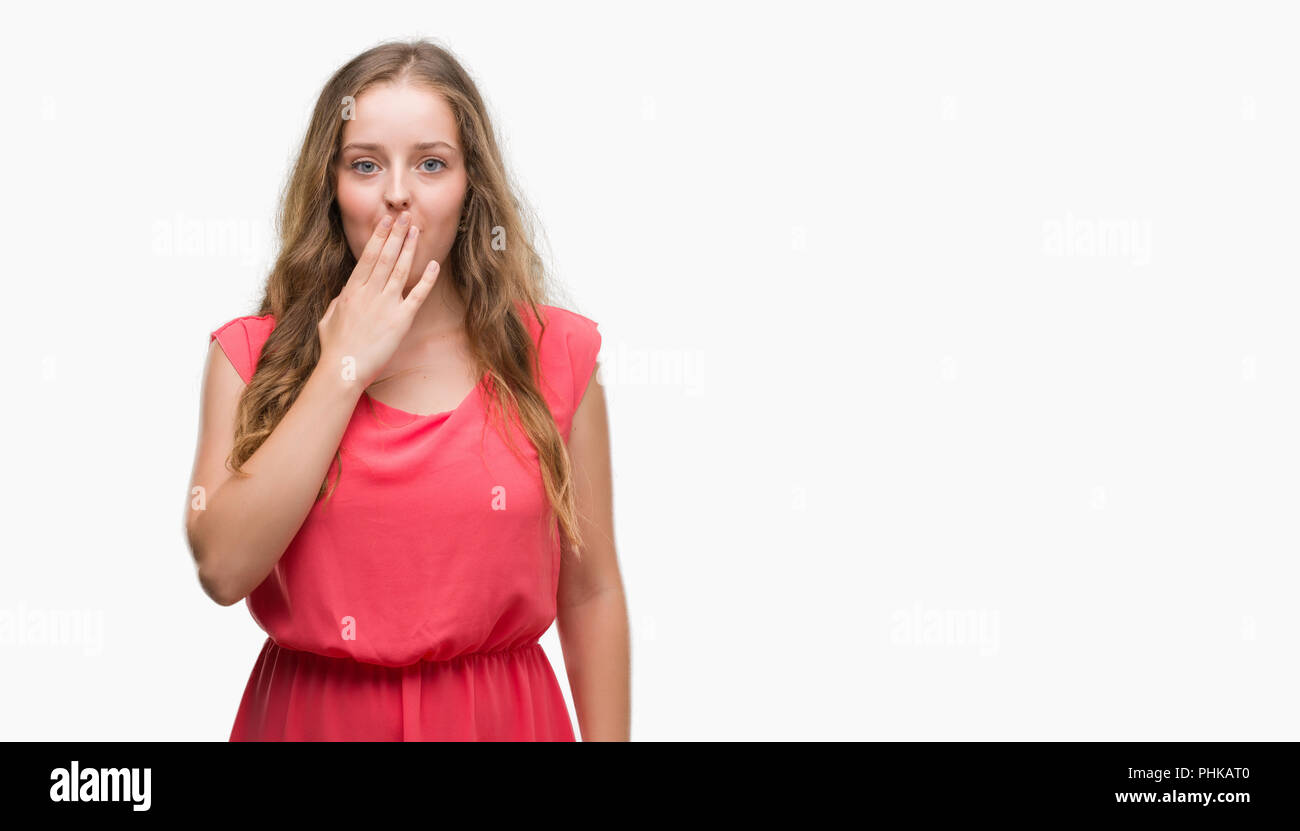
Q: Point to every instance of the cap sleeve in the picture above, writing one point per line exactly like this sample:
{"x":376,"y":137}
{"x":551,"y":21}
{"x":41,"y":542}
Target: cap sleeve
{"x":584,"y":347}
{"x":242,"y":340}
{"x":568,"y":349}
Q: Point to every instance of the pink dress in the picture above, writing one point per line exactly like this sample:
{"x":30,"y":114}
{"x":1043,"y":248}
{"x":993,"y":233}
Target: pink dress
{"x":409,"y":605}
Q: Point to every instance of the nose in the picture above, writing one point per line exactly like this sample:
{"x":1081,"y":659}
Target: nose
{"x":397,"y":195}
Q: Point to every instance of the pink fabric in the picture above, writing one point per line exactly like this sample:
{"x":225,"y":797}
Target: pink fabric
{"x":409,"y":605}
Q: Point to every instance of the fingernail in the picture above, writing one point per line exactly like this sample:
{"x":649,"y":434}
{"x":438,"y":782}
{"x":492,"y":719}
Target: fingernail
{"x":386,"y":222}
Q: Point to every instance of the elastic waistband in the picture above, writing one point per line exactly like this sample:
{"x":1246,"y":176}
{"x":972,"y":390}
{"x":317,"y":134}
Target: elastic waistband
{"x":464,"y":656}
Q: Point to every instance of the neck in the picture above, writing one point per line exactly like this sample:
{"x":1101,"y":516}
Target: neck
{"x":441,"y":314}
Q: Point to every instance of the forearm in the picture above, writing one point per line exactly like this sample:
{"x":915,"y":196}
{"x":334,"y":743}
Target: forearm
{"x":594,"y":639}
{"x":249,"y":522}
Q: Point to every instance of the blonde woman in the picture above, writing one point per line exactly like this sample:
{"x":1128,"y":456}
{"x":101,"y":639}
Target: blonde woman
{"x":403,"y":462}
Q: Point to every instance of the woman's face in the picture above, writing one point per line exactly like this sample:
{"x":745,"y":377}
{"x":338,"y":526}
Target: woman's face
{"x":402,"y":152}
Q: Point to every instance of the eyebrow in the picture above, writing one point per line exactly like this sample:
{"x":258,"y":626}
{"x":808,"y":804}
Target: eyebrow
{"x":375,"y":148}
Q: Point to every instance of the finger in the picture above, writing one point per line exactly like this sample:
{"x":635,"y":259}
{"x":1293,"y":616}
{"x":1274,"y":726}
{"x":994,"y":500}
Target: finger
{"x":397,"y":280}
{"x":388,"y":254}
{"x":371,"y":253}
{"x":421,"y":289}
{"x":329,"y":311}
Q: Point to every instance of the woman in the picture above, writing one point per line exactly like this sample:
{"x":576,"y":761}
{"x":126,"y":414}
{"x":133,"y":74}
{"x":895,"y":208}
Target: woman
{"x":419,"y":476}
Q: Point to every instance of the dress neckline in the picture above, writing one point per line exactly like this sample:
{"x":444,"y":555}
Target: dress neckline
{"x":397,"y":411}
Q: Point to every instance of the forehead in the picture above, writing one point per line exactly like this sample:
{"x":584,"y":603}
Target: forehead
{"x":400,"y":116}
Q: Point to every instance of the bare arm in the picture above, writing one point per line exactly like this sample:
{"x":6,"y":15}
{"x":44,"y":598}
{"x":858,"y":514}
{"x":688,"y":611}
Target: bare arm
{"x":238,"y":528}
{"x":591,"y":616}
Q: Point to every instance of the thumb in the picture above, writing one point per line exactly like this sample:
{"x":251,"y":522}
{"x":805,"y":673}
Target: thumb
{"x":329,"y":311}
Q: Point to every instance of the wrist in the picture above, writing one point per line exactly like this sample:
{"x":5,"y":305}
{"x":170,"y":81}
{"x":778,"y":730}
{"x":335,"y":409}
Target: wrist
{"x":338,"y":374}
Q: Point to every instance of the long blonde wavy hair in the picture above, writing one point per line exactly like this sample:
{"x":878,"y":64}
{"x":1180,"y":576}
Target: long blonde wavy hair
{"x":496,"y":282}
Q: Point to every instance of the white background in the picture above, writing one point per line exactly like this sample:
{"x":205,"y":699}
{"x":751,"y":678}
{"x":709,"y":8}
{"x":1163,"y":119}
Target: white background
{"x":950,"y":349}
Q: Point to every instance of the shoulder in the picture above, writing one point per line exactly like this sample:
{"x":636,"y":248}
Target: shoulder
{"x":565,"y":317}
{"x":569,"y":335}
{"x":559,"y":320}
{"x":247,"y":322}
{"x":577,"y":330}
{"x":567,"y":348}
{"x":242,"y":339}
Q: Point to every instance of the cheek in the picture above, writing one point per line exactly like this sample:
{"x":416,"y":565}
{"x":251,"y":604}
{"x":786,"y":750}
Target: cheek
{"x":355,"y":213}
{"x":445,"y":205}
{"x":438,"y":222}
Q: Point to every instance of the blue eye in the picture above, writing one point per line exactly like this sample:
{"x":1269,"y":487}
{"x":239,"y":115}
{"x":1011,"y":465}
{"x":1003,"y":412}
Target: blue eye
{"x":426,"y":161}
